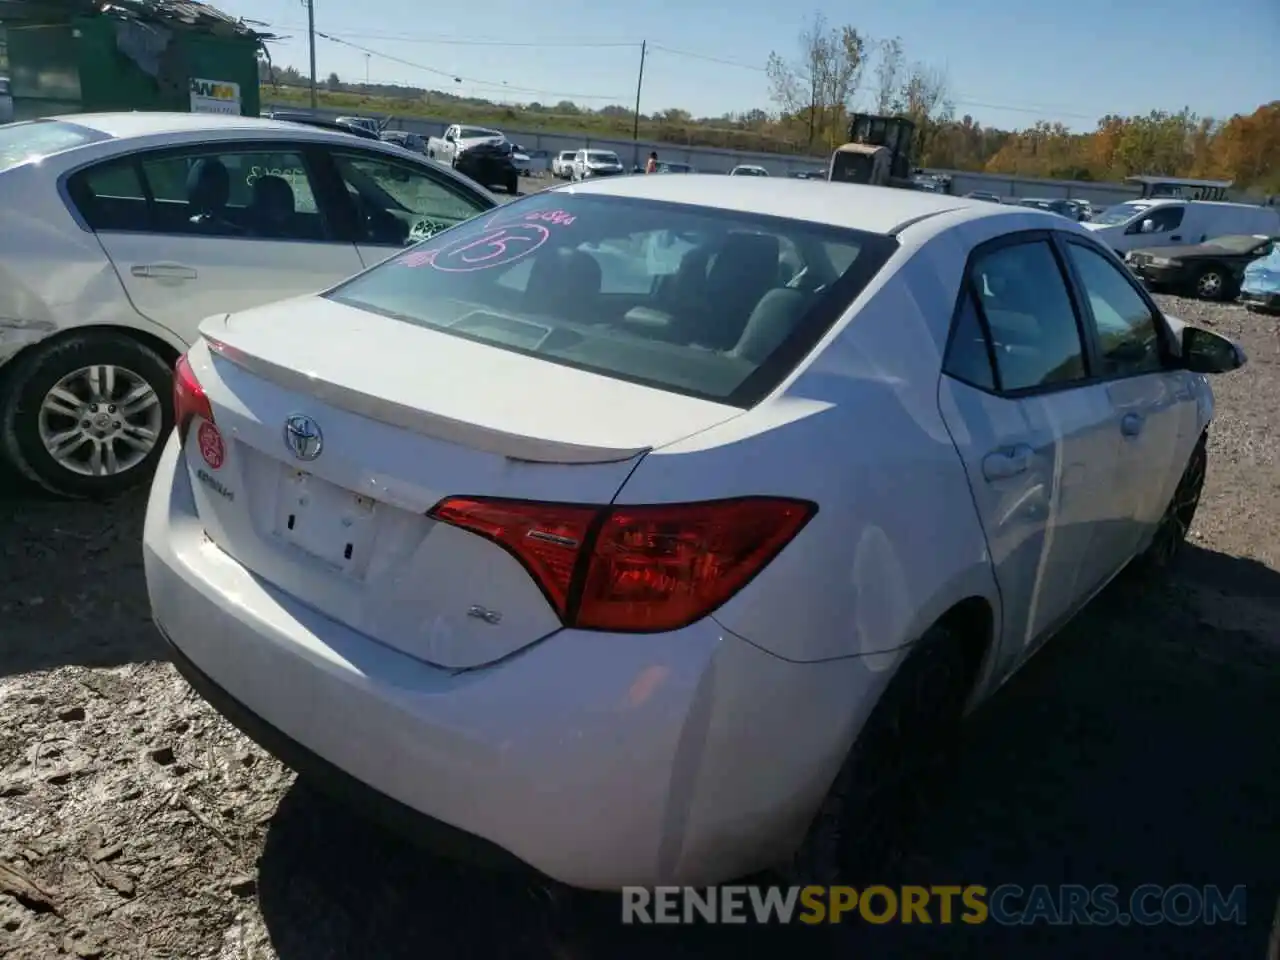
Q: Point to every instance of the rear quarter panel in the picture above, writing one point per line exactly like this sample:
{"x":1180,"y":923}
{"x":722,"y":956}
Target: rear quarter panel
{"x":54,"y":274}
{"x":896,"y":541}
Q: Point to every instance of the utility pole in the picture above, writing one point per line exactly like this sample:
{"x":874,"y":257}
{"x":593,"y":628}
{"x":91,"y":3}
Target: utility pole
{"x":311,"y":39}
{"x":635,"y":127}
{"x":366,"y":69}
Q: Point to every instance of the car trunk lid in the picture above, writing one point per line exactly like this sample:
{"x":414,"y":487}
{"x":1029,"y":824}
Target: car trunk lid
{"x":403,"y":417}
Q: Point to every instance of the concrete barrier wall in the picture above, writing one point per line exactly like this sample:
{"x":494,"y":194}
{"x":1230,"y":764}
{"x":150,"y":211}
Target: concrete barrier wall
{"x":711,"y":160}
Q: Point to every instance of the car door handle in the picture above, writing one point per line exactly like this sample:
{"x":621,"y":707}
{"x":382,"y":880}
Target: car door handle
{"x":164,"y":271}
{"x":1131,"y":424}
{"x":1176,"y":236}
{"x":1007,"y":462}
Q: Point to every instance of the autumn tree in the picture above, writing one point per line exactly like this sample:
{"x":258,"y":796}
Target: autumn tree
{"x":819,"y":85}
{"x":925,"y":97}
{"x":890,"y":66}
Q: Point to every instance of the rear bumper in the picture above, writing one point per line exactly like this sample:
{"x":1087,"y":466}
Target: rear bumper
{"x":600,"y":760}
{"x":319,"y":772}
{"x":487,"y":170}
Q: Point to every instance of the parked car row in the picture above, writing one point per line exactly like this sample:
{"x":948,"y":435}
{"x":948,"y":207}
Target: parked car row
{"x":1193,"y":246}
{"x":586,"y":163}
{"x":1213,"y":270}
{"x":553,"y":477}
{"x":1079,"y":210}
{"x":1202,"y":248}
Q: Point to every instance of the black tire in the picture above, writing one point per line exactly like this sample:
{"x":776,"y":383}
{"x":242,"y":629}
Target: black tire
{"x":1171,"y":533}
{"x":1212,"y":283}
{"x":513,"y":184}
{"x":30,"y":378}
{"x":863,"y":829}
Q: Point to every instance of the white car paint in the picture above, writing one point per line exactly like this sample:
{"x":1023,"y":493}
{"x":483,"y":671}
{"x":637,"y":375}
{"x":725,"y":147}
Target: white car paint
{"x":430,"y":667}
{"x":458,"y":139}
{"x":591,"y":164}
{"x":58,"y":276}
{"x":1176,"y":222}
{"x":562,"y":165}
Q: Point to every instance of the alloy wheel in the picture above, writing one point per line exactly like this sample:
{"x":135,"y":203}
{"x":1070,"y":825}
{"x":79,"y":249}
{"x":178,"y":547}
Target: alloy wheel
{"x":100,"y":421}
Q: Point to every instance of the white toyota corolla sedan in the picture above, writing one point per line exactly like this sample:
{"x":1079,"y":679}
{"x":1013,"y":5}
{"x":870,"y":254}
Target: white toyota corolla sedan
{"x":120,"y":232}
{"x":649,"y":529}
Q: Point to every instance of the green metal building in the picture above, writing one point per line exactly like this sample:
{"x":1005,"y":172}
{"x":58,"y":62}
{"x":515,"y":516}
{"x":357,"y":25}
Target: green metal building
{"x":72,"y":56}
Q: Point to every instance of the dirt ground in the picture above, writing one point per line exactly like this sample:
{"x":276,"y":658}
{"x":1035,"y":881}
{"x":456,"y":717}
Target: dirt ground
{"x":1139,"y":747}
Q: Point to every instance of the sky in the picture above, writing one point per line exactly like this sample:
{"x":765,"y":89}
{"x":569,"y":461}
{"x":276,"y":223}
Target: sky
{"x":1008,"y":63}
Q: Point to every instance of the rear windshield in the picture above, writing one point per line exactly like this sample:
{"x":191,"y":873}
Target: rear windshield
{"x":602,"y":156}
{"x":471,"y":133}
{"x":21,"y":142}
{"x":705,"y":302}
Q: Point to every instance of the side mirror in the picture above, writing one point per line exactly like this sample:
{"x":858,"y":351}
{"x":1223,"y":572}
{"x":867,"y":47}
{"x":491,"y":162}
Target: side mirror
{"x":1206,"y":352}
{"x":448,"y":138}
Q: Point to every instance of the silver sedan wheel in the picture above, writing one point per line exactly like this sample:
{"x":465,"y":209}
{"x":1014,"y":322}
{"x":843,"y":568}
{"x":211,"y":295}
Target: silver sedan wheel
{"x":100,"y":421}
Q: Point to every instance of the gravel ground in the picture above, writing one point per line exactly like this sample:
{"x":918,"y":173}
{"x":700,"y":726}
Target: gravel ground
{"x":1140,"y":746}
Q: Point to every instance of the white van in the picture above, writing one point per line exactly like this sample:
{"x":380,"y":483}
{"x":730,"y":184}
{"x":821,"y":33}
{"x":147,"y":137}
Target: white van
{"x":1171,"y":223}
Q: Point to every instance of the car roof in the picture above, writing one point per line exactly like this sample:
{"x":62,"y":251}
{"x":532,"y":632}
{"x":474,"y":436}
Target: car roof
{"x":140,"y":123}
{"x":875,"y":209}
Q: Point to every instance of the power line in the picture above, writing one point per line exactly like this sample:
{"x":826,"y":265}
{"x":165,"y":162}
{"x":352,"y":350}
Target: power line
{"x":458,"y":78}
{"x":708,"y":59}
{"x":454,"y":41}
{"x":686,"y":54}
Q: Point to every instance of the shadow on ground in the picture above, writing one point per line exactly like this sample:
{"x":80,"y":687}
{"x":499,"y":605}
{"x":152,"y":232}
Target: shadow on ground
{"x":1137,"y":748}
{"x":71,"y":583}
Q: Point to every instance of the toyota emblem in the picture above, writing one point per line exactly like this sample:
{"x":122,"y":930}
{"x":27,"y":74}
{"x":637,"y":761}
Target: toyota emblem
{"x":303,"y":437}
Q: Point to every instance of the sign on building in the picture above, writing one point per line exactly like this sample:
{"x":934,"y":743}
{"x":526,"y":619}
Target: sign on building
{"x":215,"y":96}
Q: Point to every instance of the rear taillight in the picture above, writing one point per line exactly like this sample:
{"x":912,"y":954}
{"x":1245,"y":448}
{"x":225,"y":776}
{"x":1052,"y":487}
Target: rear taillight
{"x":635,"y":568}
{"x":189,"y":400}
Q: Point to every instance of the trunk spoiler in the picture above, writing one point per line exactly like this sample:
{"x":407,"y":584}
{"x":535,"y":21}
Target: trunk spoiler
{"x":472,"y":435}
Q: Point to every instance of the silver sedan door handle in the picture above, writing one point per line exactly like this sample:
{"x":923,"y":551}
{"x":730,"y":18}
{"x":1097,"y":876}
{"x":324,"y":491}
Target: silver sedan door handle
{"x":1007,"y":462}
{"x":164,"y":271}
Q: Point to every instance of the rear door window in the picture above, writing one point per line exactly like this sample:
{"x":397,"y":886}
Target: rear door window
{"x":262,"y":193}
{"x":110,"y":196}
{"x":693,"y":300}
{"x":1021,"y":292}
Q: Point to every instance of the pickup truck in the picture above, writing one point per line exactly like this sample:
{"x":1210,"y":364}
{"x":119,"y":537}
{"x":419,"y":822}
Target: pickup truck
{"x":484,"y":155}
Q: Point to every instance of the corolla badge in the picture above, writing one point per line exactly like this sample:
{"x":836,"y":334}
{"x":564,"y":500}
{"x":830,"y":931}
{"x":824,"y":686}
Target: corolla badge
{"x":303,"y":437}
